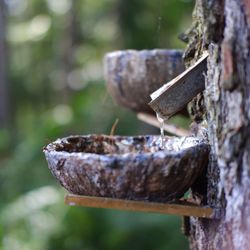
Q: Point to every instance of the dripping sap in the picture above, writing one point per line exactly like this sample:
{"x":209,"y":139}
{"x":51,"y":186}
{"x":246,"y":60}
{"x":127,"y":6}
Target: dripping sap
{"x":161,"y":121}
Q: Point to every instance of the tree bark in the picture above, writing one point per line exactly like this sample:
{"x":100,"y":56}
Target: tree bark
{"x":3,"y":68}
{"x":224,"y":28}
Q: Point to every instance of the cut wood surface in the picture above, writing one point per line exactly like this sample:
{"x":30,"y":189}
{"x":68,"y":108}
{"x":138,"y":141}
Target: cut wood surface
{"x":183,"y":208}
{"x":170,"y":128}
{"x":174,"y":95}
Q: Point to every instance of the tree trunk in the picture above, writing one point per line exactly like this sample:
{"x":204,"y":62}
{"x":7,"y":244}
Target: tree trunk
{"x":224,"y":28}
{"x":3,"y":68}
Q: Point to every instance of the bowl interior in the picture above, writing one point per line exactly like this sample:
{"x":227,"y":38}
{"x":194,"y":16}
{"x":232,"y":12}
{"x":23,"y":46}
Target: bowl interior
{"x":105,"y":145}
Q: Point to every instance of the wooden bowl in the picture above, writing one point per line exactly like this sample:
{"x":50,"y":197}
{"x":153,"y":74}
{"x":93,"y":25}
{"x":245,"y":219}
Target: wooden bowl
{"x":132,"y":75}
{"x":127,"y":167}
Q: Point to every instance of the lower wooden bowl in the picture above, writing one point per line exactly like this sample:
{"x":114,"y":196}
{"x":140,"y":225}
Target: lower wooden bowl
{"x":122,"y":167}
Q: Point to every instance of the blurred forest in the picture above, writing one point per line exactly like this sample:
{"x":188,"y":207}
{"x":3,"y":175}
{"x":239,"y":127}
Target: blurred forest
{"x":53,"y":86}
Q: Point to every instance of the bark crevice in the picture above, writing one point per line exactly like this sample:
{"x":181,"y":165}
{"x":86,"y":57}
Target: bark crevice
{"x":224,"y":26}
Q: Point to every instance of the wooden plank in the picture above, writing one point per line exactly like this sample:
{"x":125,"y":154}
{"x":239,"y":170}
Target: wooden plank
{"x":170,"y":128}
{"x":175,"y":95}
{"x":182,"y":208}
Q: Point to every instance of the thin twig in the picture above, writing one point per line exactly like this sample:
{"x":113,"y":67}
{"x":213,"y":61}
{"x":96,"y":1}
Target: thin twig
{"x":172,"y":129}
{"x":112,"y":131}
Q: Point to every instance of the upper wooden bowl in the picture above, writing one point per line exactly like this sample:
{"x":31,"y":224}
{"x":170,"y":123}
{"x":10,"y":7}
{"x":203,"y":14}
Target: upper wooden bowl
{"x":133,"y":75}
{"x":127,"y":167}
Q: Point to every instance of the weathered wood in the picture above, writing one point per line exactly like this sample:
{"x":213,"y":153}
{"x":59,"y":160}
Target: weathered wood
{"x":183,"y":208}
{"x":176,"y":94}
{"x":170,"y":128}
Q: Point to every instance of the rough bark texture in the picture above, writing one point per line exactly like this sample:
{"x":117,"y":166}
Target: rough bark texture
{"x":3,"y":68}
{"x":224,"y":27}
{"x":127,"y":167}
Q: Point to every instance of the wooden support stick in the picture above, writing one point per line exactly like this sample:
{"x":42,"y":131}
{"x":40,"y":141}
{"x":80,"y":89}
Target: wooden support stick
{"x":182,"y":208}
{"x":151,"y":120}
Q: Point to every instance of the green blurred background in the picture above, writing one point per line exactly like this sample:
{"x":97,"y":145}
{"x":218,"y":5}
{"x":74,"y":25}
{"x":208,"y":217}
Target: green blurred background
{"x":55,"y":88}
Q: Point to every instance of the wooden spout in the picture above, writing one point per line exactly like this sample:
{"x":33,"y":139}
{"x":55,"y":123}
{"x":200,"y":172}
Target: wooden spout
{"x":174,"y":95}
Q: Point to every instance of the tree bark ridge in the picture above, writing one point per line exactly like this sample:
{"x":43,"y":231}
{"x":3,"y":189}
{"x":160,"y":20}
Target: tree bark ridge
{"x":226,"y":26}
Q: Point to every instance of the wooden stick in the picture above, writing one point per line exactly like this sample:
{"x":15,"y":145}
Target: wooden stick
{"x":151,"y":120}
{"x":177,"y":93}
{"x":182,"y":208}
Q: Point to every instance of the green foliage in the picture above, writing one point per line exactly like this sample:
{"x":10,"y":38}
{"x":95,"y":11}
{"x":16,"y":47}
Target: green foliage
{"x":132,"y":231}
{"x":57,"y":89}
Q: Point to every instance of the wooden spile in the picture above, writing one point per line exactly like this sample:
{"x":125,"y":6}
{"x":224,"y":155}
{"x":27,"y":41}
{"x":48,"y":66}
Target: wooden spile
{"x":174,"y":95}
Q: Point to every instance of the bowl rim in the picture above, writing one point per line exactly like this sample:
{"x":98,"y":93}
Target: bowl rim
{"x":51,"y":150}
{"x":150,"y":52}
